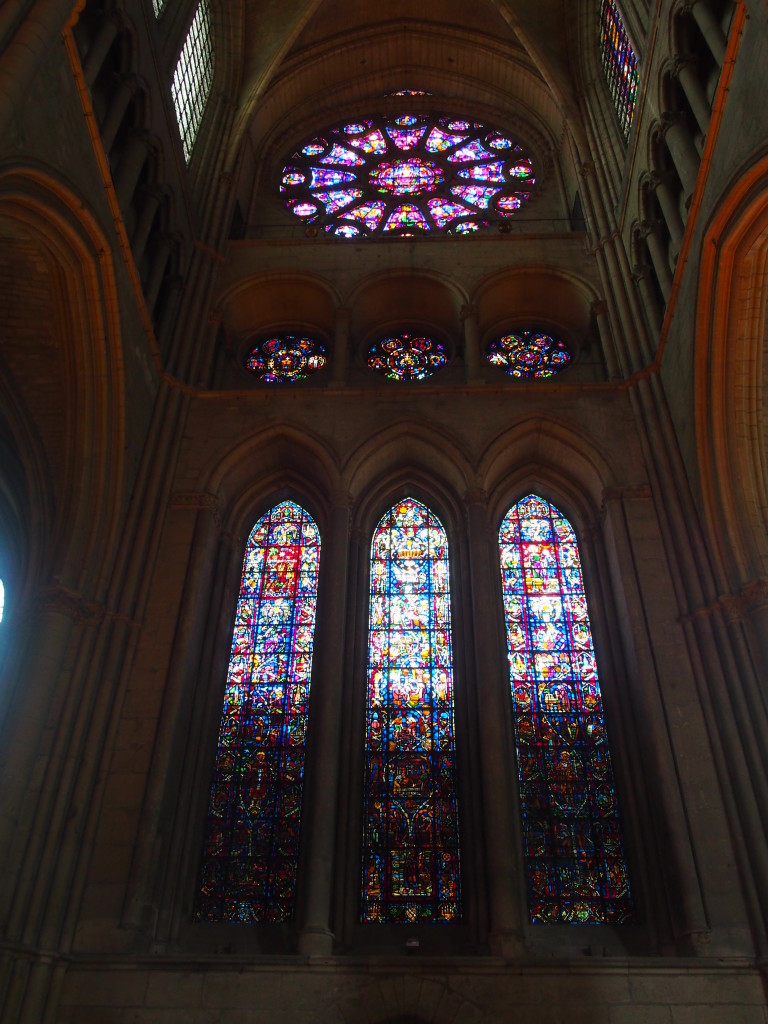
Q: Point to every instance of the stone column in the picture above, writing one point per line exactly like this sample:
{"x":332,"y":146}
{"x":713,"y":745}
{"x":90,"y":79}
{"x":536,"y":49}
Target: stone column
{"x":709,"y":28}
{"x":341,"y":346}
{"x":653,"y":312}
{"x":473,"y":357}
{"x":503,"y":839}
{"x":685,"y":71}
{"x":660,"y":184}
{"x":658,"y":256}
{"x":682,"y":149}
{"x":151,"y":199}
{"x":99,"y":48}
{"x":600,"y":313}
{"x":157,"y":270}
{"x":116,"y":111}
{"x":325,"y":703}
{"x":132,"y":161}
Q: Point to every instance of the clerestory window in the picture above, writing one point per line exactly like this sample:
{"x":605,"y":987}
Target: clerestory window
{"x":619,"y":64}
{"x":193,"y":77}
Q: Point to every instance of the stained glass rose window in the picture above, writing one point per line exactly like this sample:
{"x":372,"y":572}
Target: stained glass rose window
{"x":407,"y":175}
{"x":529,"y":354}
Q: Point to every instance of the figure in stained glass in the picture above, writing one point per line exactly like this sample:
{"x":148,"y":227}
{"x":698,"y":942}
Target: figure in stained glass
{"x":573,"y":845}
{"x":248,"y":869}
{"x":410,"y":870}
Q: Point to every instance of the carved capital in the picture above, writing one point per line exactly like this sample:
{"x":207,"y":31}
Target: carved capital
{"x":63,"y":601}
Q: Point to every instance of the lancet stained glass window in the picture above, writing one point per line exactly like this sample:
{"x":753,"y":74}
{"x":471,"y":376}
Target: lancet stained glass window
{"x":411,"y":842}
{"x":574,"y":848}
{"x":407,"y":175}
{"x":619,"y":64}
{"x":248,"y":870}
{"x":193,"y":77}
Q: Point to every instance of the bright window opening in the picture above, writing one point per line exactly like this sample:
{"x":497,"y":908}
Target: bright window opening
{"x":193,"y":78}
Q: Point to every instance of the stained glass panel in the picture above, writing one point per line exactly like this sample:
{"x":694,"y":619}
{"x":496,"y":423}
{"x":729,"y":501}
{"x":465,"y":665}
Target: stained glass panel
{"x":248,"y":870}
{"x":574,"y":849}
{"x":619,"y":64}
{"x":411,"y":174}
{"x":529,"y":354}
{"x":286,"y":358}
{"x":410,"y":870}
{"x":407,"y":357}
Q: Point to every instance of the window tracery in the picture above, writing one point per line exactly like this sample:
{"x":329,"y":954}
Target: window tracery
{"x":410,"y":870}
{"x":573,"y":843}
{"x":193,"y":77}
{"x":248,"y":871}
{"x":407,"y":175}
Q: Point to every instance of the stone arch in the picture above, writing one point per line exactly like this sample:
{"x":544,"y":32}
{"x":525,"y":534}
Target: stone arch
{"x":67,"y":279}
{"x":406,"y":451}
{"x":549,"y":455}
{"x":730,"y":366}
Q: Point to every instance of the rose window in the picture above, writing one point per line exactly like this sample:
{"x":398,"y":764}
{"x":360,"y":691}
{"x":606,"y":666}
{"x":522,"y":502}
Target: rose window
{"x":529,"y":354}
{"x":407,"y":175}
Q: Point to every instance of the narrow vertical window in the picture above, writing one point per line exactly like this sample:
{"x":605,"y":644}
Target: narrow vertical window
{"x":574,"y":848}
{"x":619,"y":64}
{"x":251,"y":845}
{"x":411,"y":842}
{"x":158,"y":6}
{"x":193,"y":77}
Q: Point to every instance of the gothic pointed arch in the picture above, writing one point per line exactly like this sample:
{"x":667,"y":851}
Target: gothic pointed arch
{"x":573,"y":844}
{"x":250,"y":853}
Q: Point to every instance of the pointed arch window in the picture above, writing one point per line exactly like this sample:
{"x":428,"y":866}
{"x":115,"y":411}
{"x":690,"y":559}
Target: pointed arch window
{"x":619,"y":64}
{"x":574,"y":849}
{"x":411,"y":842}
{"x":250,"y":852}
{"x":193,"y":77}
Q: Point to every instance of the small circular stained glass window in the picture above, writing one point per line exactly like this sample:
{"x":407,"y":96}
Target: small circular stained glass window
{"x":286,"y":358}
{"x":407,"y":357}
{"x":529,"y":354}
